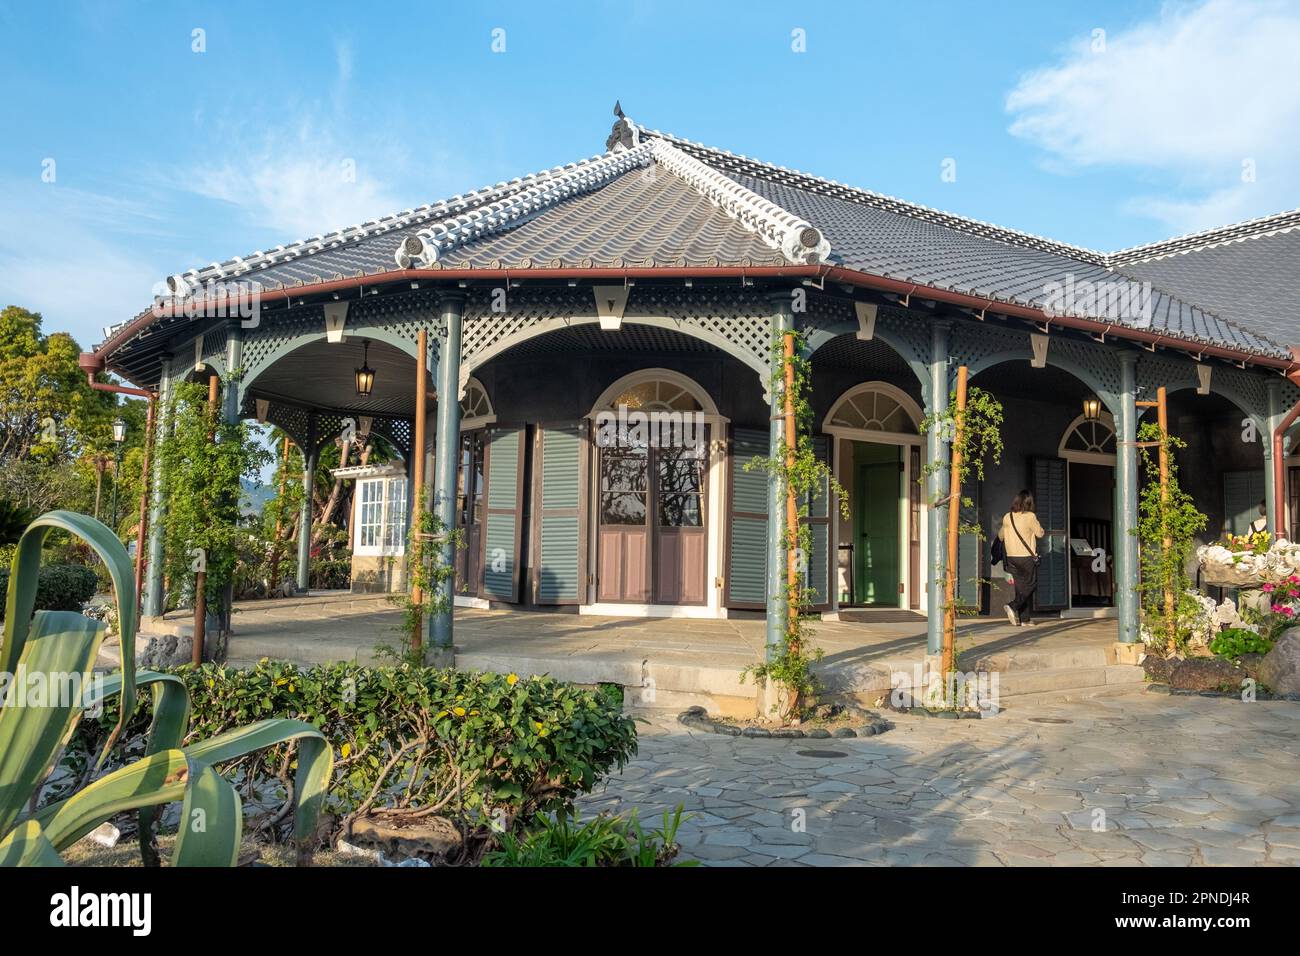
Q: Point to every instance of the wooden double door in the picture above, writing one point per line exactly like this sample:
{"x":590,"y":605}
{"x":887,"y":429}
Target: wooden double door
{"x":652,"y":541}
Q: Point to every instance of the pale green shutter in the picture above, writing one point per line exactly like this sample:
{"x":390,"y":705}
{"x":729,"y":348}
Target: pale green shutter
{"x":1054,"y":559}
{"x":819,"y":524}
{"x":1242,"y":493}
{"x":970,"y":553}
{"x":503,"y":517}
{"x":746,"y":584}
{"x":559,"y":565}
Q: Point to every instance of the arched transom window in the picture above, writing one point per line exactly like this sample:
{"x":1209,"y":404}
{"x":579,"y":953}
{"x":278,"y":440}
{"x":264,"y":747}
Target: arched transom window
{"x":476,"y":407}
{"x":658,"y":396}
{"x":1090,"y":440}
{"x":872,"y":409}
{"x":655,"y":390}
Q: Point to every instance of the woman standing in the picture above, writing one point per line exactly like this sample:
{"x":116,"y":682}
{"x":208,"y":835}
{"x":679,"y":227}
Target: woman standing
{"x":1020,"y":534}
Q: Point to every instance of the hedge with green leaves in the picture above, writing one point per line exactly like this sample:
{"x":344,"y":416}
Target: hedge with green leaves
{"x":60,"y":587}
{"x":482,"y":745}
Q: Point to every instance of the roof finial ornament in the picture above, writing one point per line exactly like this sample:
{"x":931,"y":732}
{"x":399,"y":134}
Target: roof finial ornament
{"x":624,"y":134}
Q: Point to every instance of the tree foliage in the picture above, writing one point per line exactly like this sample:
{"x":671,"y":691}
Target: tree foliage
{"x":203,"y":460}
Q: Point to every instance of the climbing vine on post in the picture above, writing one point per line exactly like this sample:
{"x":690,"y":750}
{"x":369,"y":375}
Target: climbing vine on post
{"x":802,"y":477}
{"x":201,"y":482}
{"x":424,"y":597}
{"x":1168,"y":522}
{"x":972,"y":424}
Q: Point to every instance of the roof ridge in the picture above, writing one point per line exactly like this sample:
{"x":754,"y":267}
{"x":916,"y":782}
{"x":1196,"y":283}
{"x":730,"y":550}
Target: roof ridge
{"x":431,"y":243}
{"x":1257,"y":228}
{"x":796,"y":238}
{"x":242,"y":265}
{"x":891,"y":204}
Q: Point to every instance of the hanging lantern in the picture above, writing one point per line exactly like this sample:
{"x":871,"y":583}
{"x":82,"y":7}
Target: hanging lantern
{"x":1092,"y":408}
{"x":365,"y":374}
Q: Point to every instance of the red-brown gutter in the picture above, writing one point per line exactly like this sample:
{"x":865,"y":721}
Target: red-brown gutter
{"x":94,"y":361}
{"x":1279,"y":465}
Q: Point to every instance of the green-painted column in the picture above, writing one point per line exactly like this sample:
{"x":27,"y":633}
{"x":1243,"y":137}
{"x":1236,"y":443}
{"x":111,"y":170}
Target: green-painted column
{"x":1275,"y":415}
{"x":304,"y":512}
{"x":232,"y":405}
{"x":446,"y":454}
{"x":777,"y":603}
{"x":936,"y":487}
{"x":1126,"y":501}
{"x":152,"y":603}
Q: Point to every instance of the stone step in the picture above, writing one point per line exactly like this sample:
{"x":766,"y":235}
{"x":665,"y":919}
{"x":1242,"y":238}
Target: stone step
{"x":1024,"y":701}
{"x":1030,"y":659}
{"x":1018,"y":683}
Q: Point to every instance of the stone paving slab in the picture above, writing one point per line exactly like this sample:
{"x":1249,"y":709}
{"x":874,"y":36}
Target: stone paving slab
{"x":1125,"y":783}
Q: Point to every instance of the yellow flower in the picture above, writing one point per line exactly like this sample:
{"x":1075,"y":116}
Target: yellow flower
{"x":458,"y":711}
{"x":347,"y":749}
{"x":512,"y":679}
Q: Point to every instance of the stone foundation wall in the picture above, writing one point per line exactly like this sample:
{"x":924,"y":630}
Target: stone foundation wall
{"x":378,"y":575}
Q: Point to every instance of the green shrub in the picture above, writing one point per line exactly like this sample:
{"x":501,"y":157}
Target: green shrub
{"x":60,"y":587}
{"x":479,"y":747}
{"x":603,"y":841}
{"x":1232,"y":643}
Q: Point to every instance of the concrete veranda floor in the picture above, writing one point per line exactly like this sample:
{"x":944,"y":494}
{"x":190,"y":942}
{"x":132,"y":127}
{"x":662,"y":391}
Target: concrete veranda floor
{"x":688,"y":656}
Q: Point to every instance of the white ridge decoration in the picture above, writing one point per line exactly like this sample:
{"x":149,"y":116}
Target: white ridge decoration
{"x":797,"y":239}
{"x":428,"y":246}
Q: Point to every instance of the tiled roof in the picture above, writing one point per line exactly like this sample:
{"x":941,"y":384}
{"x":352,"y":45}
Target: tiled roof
{"x":1248,"y":273}
{"x":883,"y":236}
{"x":659,"y":201}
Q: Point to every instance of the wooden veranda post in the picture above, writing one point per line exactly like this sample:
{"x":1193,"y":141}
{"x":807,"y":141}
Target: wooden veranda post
{"x":948,"y":663}
{"x":792,"y":551}
{"x":201,"y":577}
{"x":417,"y":478}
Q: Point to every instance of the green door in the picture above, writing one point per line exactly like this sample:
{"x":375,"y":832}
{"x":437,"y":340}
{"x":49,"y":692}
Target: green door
{"x":877,"y":473}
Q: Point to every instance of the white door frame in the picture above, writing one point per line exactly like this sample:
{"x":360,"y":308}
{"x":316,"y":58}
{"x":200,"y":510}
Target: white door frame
{"x":1074,"y":456}
{"x":906,"y":440}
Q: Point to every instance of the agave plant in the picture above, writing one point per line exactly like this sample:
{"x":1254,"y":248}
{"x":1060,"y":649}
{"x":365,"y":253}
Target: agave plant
{"x":63,"y":645}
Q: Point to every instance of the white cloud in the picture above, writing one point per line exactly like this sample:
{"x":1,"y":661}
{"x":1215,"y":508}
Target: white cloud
{"x":1192,"y":94}
{"x":297,"y":189}
{"x":71,"y":265}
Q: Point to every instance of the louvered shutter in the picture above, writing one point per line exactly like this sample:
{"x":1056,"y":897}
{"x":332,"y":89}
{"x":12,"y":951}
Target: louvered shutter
{"x":746,"y":585}
{"x":503,"y":470}
{"x":1050,"y":493}
{"x":1242,"y":493}
{"x":559,"y":550}
{"x":819,"y":524}
{"x":970,"y":553}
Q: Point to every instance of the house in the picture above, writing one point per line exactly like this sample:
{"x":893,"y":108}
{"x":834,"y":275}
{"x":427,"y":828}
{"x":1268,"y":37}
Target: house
{"x":574,"y":316}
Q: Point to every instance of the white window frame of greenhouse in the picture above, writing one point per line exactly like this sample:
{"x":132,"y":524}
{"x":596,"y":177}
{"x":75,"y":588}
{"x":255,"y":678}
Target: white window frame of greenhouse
{"x":380,"y":510}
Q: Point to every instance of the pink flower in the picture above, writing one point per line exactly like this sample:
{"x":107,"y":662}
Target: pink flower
{"x":1292,"y":592}
{"x":1267,"y":587}
{"x":1293,"y":579}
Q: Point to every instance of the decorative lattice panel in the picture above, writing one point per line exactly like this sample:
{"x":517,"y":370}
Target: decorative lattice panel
{"x":395,"y":319}
{"x":316,"y":429}
{"x":738,"y":323}
{"x":980,"y":345}
{"x":1247,"y":390}
{"x":905,"y":332}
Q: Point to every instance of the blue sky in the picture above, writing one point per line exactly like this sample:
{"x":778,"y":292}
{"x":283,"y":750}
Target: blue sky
{"x":296,"y":119}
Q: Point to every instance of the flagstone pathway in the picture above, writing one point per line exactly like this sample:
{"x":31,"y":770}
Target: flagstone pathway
{"x":1141,"y":779}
